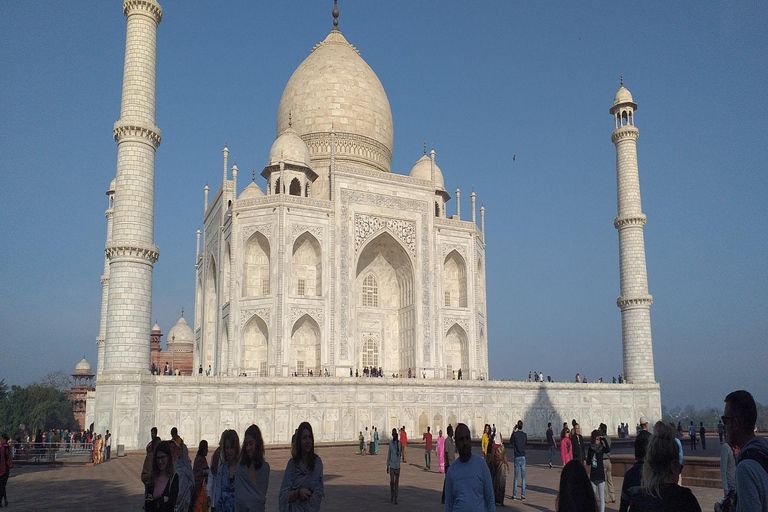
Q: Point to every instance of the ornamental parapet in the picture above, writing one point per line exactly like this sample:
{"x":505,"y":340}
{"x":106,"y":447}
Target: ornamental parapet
{"x":99,"y":342}
{"x":624,"y":133}
{"x":143,"y":7}
{"x":104,"y":280}
{"x":282,"y":200}
{"x":634,"y":302}
{"x":629,"y":220}
{"x":136,"y":130}
{"x":133,"y":251}
{"x":464,"y":225}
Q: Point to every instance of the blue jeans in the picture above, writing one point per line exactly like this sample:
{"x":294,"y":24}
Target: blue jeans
{"x":551,"y":454}
{"x":519,"y":466}
{"x":428,"y":458}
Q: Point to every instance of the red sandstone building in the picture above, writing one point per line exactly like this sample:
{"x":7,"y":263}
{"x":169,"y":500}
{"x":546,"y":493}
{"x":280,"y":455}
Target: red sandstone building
{"x":177,"y":358}
{"x":83,"y":383}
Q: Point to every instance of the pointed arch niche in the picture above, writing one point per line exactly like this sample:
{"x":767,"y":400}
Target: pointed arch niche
{"x":226,"y":277}
{"x":211,"y":312}
{"x":307,"y":266}
{"x":305,"y":346}
{"x":384,"y":295}
{"x":256,"y":266}
{"x":455,"y":280}
{"x":255,"y":347}
{"x":456,"y":351}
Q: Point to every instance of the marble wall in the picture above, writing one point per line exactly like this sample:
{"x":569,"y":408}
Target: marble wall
{"x":338,"y":408}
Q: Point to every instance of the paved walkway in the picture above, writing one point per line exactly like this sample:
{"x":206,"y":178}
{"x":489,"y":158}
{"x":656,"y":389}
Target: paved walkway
{"x":352,"y":482}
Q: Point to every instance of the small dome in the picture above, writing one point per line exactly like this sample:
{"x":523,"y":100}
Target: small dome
{"x":156,"y":329}
{"x":111,"y":187}
{"x":180,"y":333}
{"x":250,"y":192}
{"x":289,"y":148}
{"x":423,"y":170}
{"x":622,"y":96}
{"x":83,"y":368}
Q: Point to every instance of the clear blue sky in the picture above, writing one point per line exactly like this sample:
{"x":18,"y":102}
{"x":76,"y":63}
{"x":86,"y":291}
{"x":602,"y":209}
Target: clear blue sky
{"x":482,"y":82}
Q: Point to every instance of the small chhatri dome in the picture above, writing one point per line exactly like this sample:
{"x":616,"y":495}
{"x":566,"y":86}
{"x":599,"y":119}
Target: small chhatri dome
{"x":251,"y":191}
{"x":111,"y":187}
{"x":622,"y":96}
{"x":289,"y":148}
{"x":422,"y":169}
{"x":181,"y":333}
{"x":156,"y":329}
{"x":83,"y":368}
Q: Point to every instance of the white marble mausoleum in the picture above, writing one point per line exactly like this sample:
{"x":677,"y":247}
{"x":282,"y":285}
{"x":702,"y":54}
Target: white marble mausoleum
{"x":330,"y":263}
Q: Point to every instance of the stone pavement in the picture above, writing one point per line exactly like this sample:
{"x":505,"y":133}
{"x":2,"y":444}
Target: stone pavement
{"x":352,"y":482}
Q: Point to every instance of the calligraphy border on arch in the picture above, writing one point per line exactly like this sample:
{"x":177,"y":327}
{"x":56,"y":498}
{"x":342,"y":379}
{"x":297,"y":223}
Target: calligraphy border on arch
{"x":395,"y":203}
{"x":462,"y":322}
{"x":315,"y":313}
{"x":299,"y":229}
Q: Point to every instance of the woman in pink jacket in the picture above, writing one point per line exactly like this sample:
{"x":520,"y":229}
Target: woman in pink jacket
{"x":565,"y":445}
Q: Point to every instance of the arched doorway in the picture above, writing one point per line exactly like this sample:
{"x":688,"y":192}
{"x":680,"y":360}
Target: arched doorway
{"x":384,"y":298}
{"x":455,"y":280}
{"x":211,"y":313}
{"x":256,"y":266}
{"x":305,"y":346}
{"x":456,"y":351}
{"x":307,"y":266}
{"x":255,"y":343}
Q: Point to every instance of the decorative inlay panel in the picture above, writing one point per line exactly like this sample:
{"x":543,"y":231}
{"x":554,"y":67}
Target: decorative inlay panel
{"x":449,"y":322}
{"x":247,"y":314}
{"x":368,"y":225}
{"x":461,"y":249}
{"x":264,"y":229}
{"x":315,"y":313}
{"x":316,"y":231}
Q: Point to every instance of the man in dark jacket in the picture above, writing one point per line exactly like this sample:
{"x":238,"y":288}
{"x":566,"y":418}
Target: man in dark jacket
{"x":634,"y":475}
{"x":577,"y":444}
{"x":519,"y":440}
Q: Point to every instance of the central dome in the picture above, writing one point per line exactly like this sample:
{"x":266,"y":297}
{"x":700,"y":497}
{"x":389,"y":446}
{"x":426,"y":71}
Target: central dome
{"x":335,"y":89}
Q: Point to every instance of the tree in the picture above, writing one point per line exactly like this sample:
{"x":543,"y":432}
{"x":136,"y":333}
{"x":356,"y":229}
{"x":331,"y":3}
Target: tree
{"x":43,"y":405}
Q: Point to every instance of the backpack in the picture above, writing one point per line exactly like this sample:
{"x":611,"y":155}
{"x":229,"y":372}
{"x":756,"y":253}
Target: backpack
{"x":730,"y":503}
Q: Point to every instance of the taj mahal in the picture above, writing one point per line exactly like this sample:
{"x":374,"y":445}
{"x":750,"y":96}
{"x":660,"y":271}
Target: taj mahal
{"x":328,"y":263}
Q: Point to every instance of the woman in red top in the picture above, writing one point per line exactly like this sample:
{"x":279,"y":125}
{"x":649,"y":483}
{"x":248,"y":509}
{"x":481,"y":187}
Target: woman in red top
{"x":6,"y":463}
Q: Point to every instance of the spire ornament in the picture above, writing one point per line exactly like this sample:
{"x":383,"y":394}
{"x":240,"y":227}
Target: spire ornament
{"x":621,"y":80}
{"x":425,"y":146}
{"x":335,"y":16}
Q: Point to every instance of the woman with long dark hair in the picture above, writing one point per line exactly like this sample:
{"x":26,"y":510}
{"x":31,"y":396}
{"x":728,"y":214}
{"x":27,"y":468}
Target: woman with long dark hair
{"x":575,"y":493}
{"x":162,"y":488}
{"x":252,"y":475}
{"x":223,"y":494}
{"x":302,"y":487}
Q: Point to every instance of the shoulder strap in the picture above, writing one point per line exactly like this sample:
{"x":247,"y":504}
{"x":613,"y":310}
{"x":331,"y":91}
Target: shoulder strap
{"x":756,"y":455}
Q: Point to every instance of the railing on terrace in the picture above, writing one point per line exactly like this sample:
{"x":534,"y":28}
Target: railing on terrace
{"x":48,"y":453}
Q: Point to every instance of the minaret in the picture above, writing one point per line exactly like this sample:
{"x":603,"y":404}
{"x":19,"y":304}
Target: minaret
{"x":105,"y":283}
{"x":131,"y":251}
{"x":458,"y":203}
{"x":634,"y":302}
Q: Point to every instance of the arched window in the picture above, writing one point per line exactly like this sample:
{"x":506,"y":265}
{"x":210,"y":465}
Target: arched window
{"x":370,"y":292}
{"x":277,"y":186}
{"x":295,"y":188}
{"x":437,"y":209}
{"x":370,"y":354}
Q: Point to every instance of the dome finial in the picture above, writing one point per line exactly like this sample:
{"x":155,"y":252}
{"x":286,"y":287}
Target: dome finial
{"x":290,"y":119}
{"x":182,"y":312}
{"x":425,"y":146}
{"x":335,"y":16}
{"x":253,"y":175}
{"x":621,"y":80}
